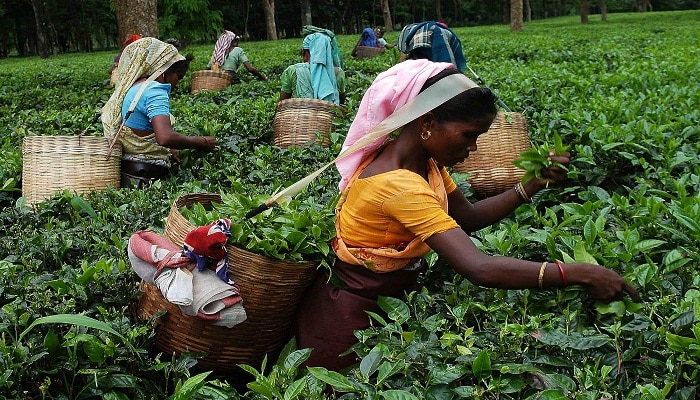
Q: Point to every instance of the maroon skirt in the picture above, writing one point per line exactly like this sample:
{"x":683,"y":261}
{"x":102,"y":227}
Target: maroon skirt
{"x":328,"y":315}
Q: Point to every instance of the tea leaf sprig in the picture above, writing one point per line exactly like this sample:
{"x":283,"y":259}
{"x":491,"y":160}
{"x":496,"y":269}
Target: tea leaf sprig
{"x":299,"y":230}
{"x":537,"y":158}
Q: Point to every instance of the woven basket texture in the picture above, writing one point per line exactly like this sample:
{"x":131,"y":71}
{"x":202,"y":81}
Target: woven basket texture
{"x":301,"y":121}
{"x":491,"y":167}
{"x":77,"y":163}
{"x":210,"y":80}
{"x":271,"y":291}
{"x":368,"y":52}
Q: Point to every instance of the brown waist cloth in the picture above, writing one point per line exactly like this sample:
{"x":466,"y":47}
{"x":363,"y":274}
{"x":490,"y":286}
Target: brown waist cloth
{"x":328,"y":315}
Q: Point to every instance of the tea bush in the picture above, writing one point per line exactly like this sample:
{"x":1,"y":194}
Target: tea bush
{"x":623,"y":94}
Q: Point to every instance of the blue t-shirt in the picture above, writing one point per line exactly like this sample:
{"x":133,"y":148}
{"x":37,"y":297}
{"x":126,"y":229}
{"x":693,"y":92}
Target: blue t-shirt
{"x":155,"y":100}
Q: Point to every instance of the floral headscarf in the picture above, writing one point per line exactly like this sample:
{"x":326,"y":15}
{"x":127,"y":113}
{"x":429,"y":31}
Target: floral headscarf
{"x":144,"y":58}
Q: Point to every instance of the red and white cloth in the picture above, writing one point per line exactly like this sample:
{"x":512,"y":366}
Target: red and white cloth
{"x":201,"y":294}
{"x":206,"y":246}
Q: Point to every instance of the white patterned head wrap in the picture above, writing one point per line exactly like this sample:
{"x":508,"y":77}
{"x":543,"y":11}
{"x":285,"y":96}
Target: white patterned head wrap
{"x":221,"y":47}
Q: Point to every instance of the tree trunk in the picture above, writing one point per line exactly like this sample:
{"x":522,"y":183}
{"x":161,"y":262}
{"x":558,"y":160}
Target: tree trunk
{"x":516,"y":15}
{"x":138,"y":17}
{"x":644,"y":5}
{"x":584,"y":12}
{"x":386,"y":12}
{"x":528,"y":11}
{"x":306,"y":12}
{"x":438,"y":10}
{"x":45,"y":31}
{"x":603,"y":11}
{"x":271,"y":27}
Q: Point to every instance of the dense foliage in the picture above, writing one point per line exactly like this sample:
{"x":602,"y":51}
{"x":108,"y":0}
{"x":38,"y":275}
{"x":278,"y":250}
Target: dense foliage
{"x":89,"y":25}
{"x":623,"y":95}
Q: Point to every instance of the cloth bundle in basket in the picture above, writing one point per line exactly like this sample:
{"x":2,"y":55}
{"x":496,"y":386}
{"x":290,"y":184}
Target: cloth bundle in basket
{"x":490,"y":168}
{"x":271,"y":290}
{"x":210,"y":80}
{"x":77,"y":163}
{"x":368,"y":52}
{"x":301,"y":121}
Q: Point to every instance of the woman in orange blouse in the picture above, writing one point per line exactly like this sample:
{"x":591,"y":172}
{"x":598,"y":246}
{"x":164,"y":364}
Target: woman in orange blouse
{"x":398,"y":202}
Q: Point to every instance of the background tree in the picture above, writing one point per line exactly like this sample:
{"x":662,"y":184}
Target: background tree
{"x":136,"y":16}
{"x":305,"y":12}
{"x":45,"y":32}
{"x":516,"y":15}
{"x":45,"y":27}
{"x":438,"y":10}
{"x":386,"y":13}
{"x":584,"y":12}
{"x":269,"y":10}
{"x":190,"y":21}
{"x":603,"y":10}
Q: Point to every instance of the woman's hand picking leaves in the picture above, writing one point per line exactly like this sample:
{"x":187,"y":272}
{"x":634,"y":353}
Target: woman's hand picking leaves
{"x":545,"y":163}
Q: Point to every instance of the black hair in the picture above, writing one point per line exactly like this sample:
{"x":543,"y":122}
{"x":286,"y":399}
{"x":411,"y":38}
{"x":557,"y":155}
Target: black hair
{"x":175,"y":42}
{"x":473,"y":104}
{"x":182,"y":65}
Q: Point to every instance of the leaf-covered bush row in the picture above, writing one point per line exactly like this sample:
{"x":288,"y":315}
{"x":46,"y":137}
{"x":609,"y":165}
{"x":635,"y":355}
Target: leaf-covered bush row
{"x":623,"y":95}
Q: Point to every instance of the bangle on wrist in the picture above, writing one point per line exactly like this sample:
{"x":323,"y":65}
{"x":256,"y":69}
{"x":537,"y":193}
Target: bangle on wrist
{"x":564,"y":281}
{"x":520,"y":190}
{"x":540,"y":277}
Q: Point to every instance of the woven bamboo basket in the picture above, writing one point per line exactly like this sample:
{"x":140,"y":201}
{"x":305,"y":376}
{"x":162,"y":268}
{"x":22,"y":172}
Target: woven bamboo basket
{"x":271,"y":291}
{"x":77,"y":163}
{"x":210,"y":80}
{"x":300,"y":121}
{"x":368,"y":52}
{"x":490,"y":168}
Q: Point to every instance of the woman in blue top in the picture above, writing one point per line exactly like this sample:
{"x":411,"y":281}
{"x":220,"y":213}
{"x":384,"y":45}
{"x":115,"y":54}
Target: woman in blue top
{"x":138,"y":112}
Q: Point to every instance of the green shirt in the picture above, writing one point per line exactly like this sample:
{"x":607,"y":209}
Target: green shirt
{"x":302,"y":71}
{"x":234,"y":59}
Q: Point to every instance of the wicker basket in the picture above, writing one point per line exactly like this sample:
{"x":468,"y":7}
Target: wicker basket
{"x":78,"y":163}
{"x":491,"y":167}
{"x":368,"y":52}
{"x":271,"y":291}
{"x":300,"y":121}
{"x":210,"y":80}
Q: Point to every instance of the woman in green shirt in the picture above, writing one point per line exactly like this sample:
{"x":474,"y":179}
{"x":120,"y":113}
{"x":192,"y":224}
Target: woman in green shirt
{"x":316,"y":77}
{"x":233,"y":59}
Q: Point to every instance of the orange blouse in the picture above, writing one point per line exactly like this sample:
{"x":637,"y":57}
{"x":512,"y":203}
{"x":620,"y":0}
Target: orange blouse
{"x":381,"y":215}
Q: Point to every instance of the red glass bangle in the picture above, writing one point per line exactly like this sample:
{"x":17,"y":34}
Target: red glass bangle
{"x":561,"y":269}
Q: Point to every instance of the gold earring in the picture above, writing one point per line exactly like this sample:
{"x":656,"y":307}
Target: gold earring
{"x":425,"y":135}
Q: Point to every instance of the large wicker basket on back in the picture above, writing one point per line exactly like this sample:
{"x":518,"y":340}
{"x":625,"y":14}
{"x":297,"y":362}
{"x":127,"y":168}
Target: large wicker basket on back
{"x":491,"y":167}
{"x":300,"y":121}
{"x":271,"y":291}
{"x":210,"y":80}
{"x":77,"y":163}
{"x":368,"y":52}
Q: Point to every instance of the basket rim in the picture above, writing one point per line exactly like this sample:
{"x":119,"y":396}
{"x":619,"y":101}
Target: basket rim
{"x":187,"y":199}
{"x":217,"y":74}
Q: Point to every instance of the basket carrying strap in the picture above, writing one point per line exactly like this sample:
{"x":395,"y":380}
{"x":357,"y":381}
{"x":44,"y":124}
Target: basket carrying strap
{"x":430,"y":98}
{"x":135,"y":101}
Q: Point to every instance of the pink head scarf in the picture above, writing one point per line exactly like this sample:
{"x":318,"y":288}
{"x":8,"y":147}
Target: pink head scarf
{"x":389,"y":91}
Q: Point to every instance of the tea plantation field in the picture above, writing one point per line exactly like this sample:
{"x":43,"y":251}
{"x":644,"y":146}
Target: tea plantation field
{"x":623,"y":94}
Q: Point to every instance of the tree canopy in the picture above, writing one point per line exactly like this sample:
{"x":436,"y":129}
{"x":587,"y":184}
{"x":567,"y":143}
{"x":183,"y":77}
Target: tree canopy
{"x":46,"y":27}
